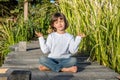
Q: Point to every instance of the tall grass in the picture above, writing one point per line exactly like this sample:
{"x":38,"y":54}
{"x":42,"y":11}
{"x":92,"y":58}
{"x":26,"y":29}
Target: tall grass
{"x":100,"y":21}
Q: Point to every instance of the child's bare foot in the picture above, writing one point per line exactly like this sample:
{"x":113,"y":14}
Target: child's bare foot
{"x":43,"y":68}
{"x":70,"y":69}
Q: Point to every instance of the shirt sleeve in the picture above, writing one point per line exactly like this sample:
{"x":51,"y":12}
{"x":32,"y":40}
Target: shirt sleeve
{"x":45,"y":45}
{"x":74,"y":44}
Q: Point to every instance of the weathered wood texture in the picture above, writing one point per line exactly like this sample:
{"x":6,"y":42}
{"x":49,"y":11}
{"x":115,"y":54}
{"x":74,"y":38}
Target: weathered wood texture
{"x":29,"y":60}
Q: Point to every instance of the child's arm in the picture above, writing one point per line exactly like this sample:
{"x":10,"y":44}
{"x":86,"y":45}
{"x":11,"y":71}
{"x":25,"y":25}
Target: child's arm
{"x":74,"y":44}
{"x":43,"y":45}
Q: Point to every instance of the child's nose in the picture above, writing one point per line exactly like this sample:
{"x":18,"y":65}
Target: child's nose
{"x":60,"y":23}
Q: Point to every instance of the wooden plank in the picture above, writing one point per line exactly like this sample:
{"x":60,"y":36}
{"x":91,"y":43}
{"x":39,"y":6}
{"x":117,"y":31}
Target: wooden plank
{"x":3,"y":70}
{"x":20,"y":66}
{"x":20,"y":75}
{"x":42,"y":75}
{"x":3,"y":73}
{"x":3,"y":78}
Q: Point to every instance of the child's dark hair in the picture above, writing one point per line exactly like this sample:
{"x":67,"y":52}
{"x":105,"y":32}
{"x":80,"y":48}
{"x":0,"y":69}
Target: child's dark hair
{"x":55,"y":18}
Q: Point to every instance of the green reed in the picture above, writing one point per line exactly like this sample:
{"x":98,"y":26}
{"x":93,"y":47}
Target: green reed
{"x":100,"y":21}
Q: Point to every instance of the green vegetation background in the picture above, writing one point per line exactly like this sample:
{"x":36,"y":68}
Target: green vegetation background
{"x":98,"y":19}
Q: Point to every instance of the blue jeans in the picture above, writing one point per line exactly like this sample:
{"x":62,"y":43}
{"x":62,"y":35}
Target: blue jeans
{"x":57,"y":64}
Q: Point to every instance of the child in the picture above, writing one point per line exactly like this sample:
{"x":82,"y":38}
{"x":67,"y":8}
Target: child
{"x":59,"y":45}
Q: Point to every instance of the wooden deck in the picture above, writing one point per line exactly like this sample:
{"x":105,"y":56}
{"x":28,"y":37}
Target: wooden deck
{"x":29,"y":60}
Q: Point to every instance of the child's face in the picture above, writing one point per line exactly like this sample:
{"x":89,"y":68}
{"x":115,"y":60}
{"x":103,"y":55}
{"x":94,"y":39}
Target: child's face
{"x":59,"y":24}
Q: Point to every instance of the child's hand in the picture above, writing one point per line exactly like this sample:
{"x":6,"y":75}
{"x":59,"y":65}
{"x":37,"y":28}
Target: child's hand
{"x":39,"y":34}
{"x":81,"y":35}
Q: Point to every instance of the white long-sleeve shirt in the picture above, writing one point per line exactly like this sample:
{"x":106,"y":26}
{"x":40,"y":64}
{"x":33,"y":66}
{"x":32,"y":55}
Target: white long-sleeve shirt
{"x":59,"y":45}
